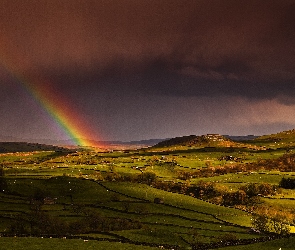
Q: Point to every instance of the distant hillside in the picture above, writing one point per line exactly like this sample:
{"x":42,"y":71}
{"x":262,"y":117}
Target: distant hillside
{"x":12,"y":147}
{"x":149,"y":142}
{"x":69,"y":143}
{"x":281,"y":139}
{"x":209,"y":140}
{"x":241,"y":137}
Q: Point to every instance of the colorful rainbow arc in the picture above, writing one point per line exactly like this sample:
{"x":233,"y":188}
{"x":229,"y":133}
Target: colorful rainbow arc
{"x":61,"y":111}
{"x":68,"y":119}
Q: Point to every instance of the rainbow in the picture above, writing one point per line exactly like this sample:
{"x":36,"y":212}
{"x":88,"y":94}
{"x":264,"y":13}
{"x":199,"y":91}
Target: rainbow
{"x":61,"y":111}
{"x":57,"y":106}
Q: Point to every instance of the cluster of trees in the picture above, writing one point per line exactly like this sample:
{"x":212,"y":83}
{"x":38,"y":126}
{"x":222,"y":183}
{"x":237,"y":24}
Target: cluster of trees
{"x":170,"y":186}
{"x":41,"y":223}
{"x":267,"y":219}
{"x":246,"y":195}
{"x":264,"y":219}
{"x":146,"y":177}
{"x":93,"y":222}
{"x":219,"y":194}
{"x":285,"y":163}
{"x":38,"y":224}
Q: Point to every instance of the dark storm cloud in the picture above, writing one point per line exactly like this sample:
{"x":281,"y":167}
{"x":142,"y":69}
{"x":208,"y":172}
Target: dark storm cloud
{"x":185,"y":48}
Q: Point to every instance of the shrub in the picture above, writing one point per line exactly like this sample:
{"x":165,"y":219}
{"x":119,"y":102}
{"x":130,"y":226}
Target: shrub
{"x":287,"y":183}
{"x":228,"y":237}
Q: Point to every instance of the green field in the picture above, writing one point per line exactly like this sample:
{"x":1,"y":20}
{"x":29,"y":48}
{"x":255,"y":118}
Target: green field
{"x":283,"y":244}
{"x":31,"y":243}
{"x":174,"y":197}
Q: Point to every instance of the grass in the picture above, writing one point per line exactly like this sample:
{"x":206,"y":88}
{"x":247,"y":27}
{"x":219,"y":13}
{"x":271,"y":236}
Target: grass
{"x":65,"y":244}
{"x":283,"y":244}
{"x":201,"y":208}
{"x":271,"y":177}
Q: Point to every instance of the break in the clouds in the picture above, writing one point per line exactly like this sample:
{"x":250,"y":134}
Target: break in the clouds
{"x":122,"y":61}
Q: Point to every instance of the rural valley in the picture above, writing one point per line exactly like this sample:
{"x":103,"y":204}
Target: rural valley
{"x":189,"y":192}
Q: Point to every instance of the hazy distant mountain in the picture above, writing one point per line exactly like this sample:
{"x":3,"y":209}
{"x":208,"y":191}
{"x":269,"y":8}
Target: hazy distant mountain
{"x":12,"y":147}
{"x":4,"y":138}
{"x":140,"y":143}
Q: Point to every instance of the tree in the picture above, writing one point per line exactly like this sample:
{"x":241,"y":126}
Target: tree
{"x":1,"y":171}
{"x":280,"y":224}
{"x":260,"y":222}
{"x":3,"y":183}
{"x":147,"y":177}
{"x":271,"y":220}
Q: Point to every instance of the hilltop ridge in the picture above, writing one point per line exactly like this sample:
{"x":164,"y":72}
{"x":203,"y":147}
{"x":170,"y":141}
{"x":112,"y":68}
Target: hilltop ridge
{"x":209,"y":140}
{"x":12,"y":147}
{"x":284,"y":139}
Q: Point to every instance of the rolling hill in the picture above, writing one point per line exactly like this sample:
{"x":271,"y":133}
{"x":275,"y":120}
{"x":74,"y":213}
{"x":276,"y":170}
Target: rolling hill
{"x":208,"y":140}
{"x":204,"y":141}
{"x":12,"y":147}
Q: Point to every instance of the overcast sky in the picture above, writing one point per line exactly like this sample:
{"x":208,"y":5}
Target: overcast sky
{"x":150,"y":69}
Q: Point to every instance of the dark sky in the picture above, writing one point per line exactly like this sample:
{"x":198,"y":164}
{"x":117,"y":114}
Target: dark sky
{"x":150,"y":69}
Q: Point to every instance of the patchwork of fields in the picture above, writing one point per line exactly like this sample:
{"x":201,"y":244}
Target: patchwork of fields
{"x":174,"y":197}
